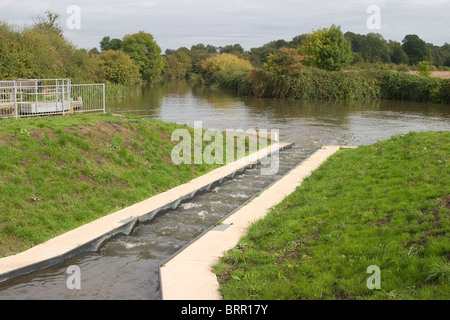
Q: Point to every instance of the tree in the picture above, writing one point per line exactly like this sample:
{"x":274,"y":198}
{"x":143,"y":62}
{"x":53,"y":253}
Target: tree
{"x":197,"y":58}
{"x":15,"y":62}
{"x":259,"y":56}
{"x":298,"y":41}
{"x":398,"y":55}
{"x":446,"y":54}
{"x":374,"y":48}
{"x":355,"y":40}
{"x":49,"y":23}
{"x":110,"y":44}
{"x":119,"y":68}
{"x":283,"y":61}
{"x":145,"y":52}
{"x":199,"y":46}
{"x":236,"y":48}
{"x":327,"y":49}
{"x":278,"y":44}
{"x":211,"y":49}
{"x":416,"y":49}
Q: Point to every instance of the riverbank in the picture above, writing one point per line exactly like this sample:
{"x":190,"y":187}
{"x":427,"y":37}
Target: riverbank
{"x":58,"y":173}
{"x":384,"y":205}
{"x":306,"y":83}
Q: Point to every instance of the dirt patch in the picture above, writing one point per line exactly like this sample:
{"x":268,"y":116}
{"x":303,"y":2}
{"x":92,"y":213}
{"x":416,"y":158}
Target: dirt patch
{"x":40,"y":133}
{"x":5,"y":140}
{"x":445,"y":202}
{"x":387,"y":220}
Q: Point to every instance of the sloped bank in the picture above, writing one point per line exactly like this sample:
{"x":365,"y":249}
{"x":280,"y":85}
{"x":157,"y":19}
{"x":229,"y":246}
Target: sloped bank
{"x":384,"y":205}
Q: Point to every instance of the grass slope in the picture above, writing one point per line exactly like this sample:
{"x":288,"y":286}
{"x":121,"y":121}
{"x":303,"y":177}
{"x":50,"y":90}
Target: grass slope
{"x":386,"y":205}
{"x":57,"y":173}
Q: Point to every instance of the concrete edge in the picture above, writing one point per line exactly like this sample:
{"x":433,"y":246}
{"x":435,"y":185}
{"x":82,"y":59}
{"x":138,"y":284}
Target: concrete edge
{"x":187,"y":275}
{"x":92,"y":236}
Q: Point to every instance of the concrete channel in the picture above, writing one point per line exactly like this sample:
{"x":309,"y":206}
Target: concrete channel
{"x":92,"y":236}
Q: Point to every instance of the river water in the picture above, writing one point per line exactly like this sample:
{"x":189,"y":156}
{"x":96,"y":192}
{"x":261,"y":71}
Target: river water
{"x":127,"y":267}
{"x":305,"y":123}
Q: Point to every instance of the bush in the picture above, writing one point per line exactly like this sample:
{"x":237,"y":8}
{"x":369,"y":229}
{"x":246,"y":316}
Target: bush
{"x":400,"y":86}
{"x":236,"y":80}
{"x":310,"y":84}
{"x":120,"y":69}
{"x":221,"y":62}
{"x":444,"y":92}
{"x":423,"y":67}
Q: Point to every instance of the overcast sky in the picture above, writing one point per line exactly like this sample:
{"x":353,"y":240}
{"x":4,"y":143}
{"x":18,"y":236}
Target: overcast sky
{"x":252,"y":23}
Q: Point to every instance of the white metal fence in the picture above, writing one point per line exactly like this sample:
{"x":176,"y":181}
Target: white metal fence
{"x":34,"y":97}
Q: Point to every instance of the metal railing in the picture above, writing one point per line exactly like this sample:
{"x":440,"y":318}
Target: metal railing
{"x":35,"y":97}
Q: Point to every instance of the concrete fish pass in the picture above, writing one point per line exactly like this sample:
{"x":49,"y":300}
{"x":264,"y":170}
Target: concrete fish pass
{"x":34,"y":97}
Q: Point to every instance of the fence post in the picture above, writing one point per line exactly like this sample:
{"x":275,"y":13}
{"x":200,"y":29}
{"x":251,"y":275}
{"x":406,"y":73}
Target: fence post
{"x":62,"y":102}
{"x":57,"y":95}
{"x":15,"y":100}
{"x":104,"y":103}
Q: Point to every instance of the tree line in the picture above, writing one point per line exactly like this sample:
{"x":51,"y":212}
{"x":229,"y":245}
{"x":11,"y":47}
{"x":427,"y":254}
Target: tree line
{"x":42,"y":51}
{"x":347,"y":50}
{"x":318,"y":66}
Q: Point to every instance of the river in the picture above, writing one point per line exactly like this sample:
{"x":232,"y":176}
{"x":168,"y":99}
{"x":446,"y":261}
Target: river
{"x":127,"y":267}
{"x":302,"y":122}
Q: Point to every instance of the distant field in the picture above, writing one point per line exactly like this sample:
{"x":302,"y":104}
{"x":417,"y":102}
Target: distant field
{"x":435,"y":74}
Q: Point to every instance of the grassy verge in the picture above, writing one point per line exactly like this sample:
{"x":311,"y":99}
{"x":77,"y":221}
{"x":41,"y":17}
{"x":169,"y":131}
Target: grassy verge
{"x":57,"y":173}
{"x":386,"y":205}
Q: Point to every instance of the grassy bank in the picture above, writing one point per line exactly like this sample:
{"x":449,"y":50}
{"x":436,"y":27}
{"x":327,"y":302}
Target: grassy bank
{"x":386,"y":205}
{"x":57,"y":173}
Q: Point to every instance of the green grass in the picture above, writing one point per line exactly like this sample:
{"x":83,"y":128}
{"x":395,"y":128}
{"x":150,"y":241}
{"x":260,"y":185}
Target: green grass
{"x":57,"y":173}
{"x":386,"y":205}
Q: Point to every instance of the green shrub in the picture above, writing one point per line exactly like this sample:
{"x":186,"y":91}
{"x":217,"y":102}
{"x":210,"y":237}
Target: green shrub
{"x":423,"y":67}
{"x":236,"y":80}
{"x":400,"y":86}
{"x":221,"y":62}
{"x":310,"y":83}
{"x":444,"y":91}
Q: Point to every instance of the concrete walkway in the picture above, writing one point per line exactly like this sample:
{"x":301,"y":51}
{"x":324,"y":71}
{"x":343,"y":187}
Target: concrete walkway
{"x":188,"y":275}
{"x":92,"y":235}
